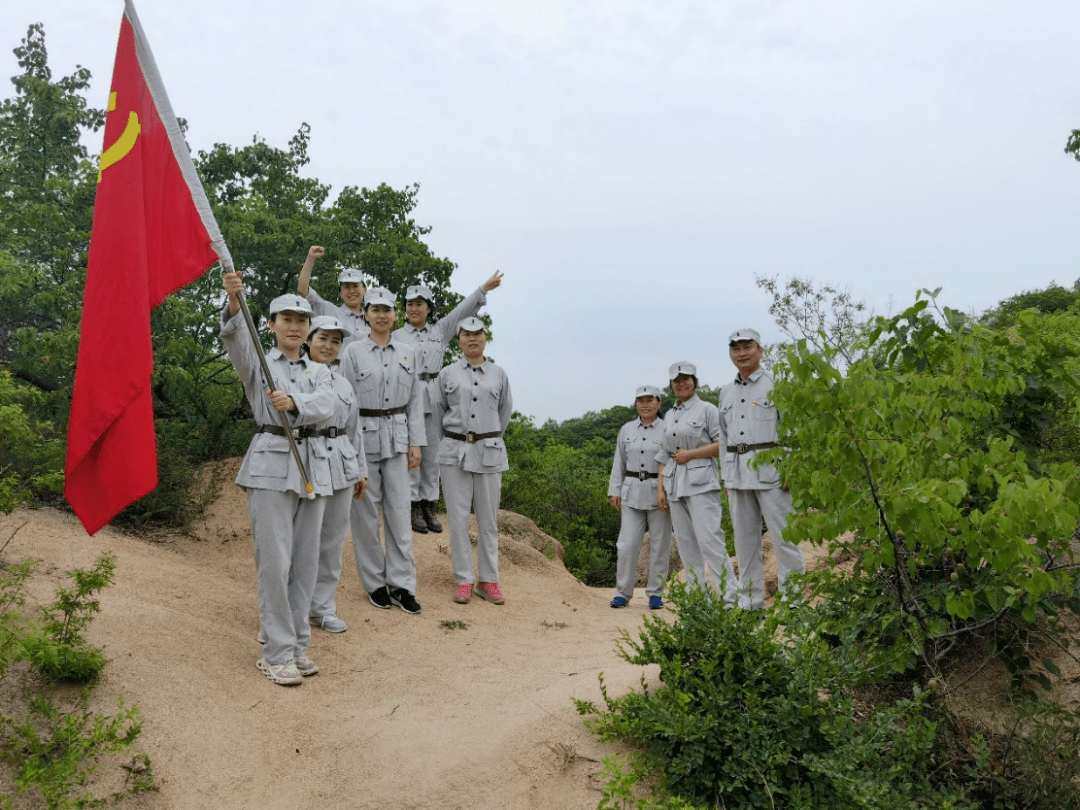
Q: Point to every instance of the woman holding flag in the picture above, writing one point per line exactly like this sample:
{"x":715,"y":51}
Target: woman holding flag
{"x":284,"y":501}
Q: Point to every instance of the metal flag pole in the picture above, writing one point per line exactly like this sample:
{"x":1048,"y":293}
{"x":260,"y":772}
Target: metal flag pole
{"x":271,"y":386}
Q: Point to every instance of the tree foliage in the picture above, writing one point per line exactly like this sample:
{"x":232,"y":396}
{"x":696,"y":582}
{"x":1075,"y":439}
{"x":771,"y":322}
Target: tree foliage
{"x":922,"y":462}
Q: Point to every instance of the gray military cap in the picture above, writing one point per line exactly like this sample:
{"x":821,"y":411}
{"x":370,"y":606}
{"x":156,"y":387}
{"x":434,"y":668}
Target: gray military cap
{"x":745,"y":334}
{"x":419,"y":291}
{"x":351,"y":275}
{"x":647,"y":391}
{"x":682,"y":367}
{"x":289,"y":303}
{"x":380,"y":295}
{"x":471,"y":324}
{"x":328,"y":323}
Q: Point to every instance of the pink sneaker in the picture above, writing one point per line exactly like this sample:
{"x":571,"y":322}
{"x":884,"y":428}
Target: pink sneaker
{"x":490,"y":591}
{"x":463,"y":595}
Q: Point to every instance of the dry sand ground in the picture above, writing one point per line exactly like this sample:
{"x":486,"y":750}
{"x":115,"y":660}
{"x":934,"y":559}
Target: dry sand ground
{"x":405,"y":713}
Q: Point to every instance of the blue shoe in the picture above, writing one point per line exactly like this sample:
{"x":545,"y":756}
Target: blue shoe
{"x":655,"y":603}
{"x":618,"y":602}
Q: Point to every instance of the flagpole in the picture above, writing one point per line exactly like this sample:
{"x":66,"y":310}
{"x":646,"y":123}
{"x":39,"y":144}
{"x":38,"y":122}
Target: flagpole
{"x":272,"y":386}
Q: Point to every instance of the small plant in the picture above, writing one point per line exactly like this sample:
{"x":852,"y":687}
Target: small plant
{"x":55,"y":753}
{"x":453,"y":624}
{"x":60,"y":653}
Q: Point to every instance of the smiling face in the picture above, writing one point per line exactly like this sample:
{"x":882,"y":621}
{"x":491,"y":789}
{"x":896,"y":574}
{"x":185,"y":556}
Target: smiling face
{"x":746,"y":355}
{"x":647,"y":408}
{"x":417,"y":311}
{"x":352,"y":293}
{"x":684,"y":387}
{"x":473,"y":345}
{"x":381,"y":318}
{"x":290,"y":329}
{"x":325,"y":346}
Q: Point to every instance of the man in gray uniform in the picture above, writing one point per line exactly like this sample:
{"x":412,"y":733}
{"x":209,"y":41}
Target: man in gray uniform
{"x":749,"y":420}
{"x":632,"y":491}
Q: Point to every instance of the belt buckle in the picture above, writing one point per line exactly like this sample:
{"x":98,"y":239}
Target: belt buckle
{"x":740,"y":449}
{"x":295,"y":433}
{"x":470,"y":438}
{"x":642,"y":475}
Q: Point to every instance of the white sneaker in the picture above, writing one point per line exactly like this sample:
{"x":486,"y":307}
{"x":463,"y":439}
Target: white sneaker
{"x":330,"y":623}
{"x":284,"y":674}
{"x":305,"y":666}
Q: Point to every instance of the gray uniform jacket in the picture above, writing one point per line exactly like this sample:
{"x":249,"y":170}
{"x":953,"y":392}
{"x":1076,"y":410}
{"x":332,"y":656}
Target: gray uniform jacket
{"x":351,"y":321}
{"x":384,"y":378}
{"x":474,"y":399}
{"x":687,"y":426}
{"x":748,"y":416}
{"x":432,"y":339}
{"x":635,"y":452}
{"x":347,"y":466}
{"x":268,"y":463}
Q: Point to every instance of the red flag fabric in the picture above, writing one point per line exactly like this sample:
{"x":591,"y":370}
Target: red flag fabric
{"x":153,"y":233}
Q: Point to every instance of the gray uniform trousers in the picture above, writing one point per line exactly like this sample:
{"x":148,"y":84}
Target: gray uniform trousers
{"x":696,"y":521}
{"x":424,"y":480}
{"x":287,"y":559}
{"x":331,"y":548}
{"x":482,"y":492}
{"x":748,"y":506}
{"x":388,"y":488}
{"x":628,"y":546}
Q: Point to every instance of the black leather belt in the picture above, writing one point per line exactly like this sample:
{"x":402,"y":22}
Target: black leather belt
{"x":427,"y":376}
{"x":302,"y":432}
{"x":470,"y":438}
{"x":739,"y":449}
{"x":641,"y":475}
{"x":380,"y":411}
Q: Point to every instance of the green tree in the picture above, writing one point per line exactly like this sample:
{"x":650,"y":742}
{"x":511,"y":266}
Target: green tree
{"x":922,"y":462}
{"x":47,"y":187}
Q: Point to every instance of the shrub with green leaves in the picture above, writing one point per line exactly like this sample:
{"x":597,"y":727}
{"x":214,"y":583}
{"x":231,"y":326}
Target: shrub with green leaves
{"x":55,"y":752}
{"x":921,"y":462}
{"x":60,"y":652}
{"x":749,"y":717}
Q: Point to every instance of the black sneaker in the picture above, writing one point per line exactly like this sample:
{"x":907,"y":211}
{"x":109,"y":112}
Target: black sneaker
{"x":404,"y":600}
{"x":380,"y":598}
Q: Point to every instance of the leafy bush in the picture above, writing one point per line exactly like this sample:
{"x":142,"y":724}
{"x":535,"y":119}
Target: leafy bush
{"x":751,"y":717}
{"x":60,"y":652}
{"x":921,"y":463}
{"x":55,"y":752}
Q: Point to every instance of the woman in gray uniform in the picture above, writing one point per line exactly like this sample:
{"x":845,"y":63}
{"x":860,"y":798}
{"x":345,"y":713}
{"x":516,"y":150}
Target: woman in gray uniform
{"x":348,"y":473}
{"x":285,"y":522}
{"x":632,"y":491}
{"x":689,"y":482}
{"x":431,"y":337}
{"x":473,"y":408}
{"x":390,"y":432}
{"x":351,"y":288}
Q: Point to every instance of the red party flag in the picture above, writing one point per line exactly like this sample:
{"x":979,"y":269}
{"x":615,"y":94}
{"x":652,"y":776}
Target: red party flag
{"x":153,"y":233}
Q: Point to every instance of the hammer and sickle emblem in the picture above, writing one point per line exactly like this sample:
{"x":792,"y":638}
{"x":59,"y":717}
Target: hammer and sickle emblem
{"x":124,"y":144}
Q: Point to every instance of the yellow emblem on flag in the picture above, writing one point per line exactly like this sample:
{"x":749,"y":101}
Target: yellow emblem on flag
{"x":124,"y":144}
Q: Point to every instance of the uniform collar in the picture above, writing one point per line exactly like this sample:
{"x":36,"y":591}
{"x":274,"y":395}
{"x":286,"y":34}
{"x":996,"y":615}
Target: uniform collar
{"x":751,"y":379}
{"x":276,"y":354}
{"x":651,"y":425}
{"x":465,"y":364}
{"x":687,"y":404}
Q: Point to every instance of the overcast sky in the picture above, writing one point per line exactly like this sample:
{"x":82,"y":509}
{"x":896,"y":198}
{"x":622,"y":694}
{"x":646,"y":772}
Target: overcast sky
{"x":631,"y":166}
